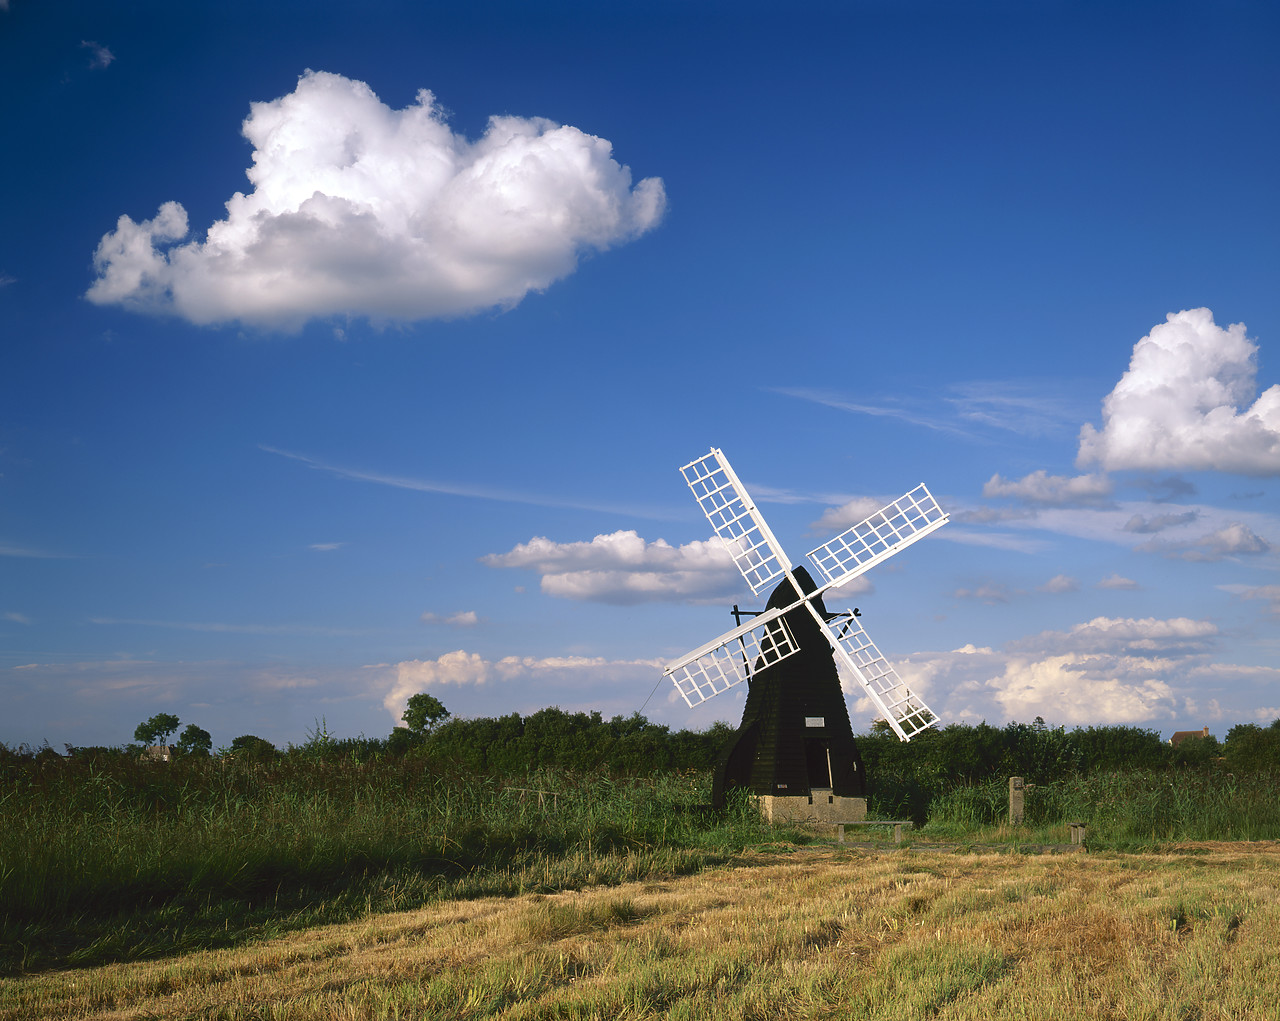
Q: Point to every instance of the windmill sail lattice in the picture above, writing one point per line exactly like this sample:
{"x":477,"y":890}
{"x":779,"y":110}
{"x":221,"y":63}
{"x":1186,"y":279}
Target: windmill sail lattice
{"x":729,"y":659}
{"x":734,"y":518}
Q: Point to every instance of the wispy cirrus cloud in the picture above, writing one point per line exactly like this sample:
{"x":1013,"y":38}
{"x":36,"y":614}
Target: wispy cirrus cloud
{"x":888,"y":409}
{"x":99,"y":56}
{"x":1023,"y":408}
{"x":466,"y":490}
{"x":1014,"y":542}
{"x":11,"y":549}
{"x":1268,"y":593}
{"x":1027,"y":409}
{"x":463,"y":618}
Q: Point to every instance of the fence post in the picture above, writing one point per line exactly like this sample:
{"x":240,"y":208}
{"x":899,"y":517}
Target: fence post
{"x":1017,"y":800}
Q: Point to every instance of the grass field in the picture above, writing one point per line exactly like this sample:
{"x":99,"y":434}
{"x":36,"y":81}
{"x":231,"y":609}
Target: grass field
{"x":107,"y":860}
{"x":782,"y":932}
{"x":112,"y":861}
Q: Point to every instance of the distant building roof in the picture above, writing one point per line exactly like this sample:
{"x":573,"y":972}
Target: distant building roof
{"x":1181,"y":735}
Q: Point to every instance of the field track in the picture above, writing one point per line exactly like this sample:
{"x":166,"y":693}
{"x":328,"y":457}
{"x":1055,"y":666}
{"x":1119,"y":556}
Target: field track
{"x":1190,"y":933}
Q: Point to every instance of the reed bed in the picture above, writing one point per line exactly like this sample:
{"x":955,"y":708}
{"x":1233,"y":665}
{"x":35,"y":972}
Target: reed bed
{"x":110,"y":859}
{"x":1133,"y":808}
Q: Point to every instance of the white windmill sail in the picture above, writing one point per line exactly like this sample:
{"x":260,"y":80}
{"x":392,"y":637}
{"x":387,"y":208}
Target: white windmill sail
{"x":889,"y":530}
{"x":734,"y":518}
{"x":729,"y":659}
{"x":905,"y":710}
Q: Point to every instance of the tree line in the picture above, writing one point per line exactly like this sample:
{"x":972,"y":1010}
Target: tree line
{"x":587,"y":742}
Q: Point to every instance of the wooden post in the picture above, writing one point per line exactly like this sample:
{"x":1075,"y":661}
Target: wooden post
{"x":1017,"y":801}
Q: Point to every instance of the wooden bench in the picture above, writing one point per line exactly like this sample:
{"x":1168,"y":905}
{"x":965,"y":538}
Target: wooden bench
{"x":895,"y":823}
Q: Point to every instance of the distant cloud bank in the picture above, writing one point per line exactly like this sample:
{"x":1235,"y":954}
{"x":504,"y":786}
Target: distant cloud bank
{"x":361,"y":210}
{"x":1105,"y":670}
{"x":465,"y":669}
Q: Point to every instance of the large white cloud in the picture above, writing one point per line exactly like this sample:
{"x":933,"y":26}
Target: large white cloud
{"x":1184,"y":404}
{"x":361,"y":210}
{"x":624,"y":568}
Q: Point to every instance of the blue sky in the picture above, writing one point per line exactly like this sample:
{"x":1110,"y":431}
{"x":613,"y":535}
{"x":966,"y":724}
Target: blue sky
{"x":406,"y":414}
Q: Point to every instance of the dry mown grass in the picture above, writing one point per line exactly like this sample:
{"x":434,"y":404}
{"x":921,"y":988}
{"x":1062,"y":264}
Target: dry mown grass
{"x":813,"y":933}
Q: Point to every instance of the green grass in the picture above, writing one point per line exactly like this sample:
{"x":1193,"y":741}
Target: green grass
{"x":1136,"y":808}
{"x":106,"y":859}
{"x":114,"y":860}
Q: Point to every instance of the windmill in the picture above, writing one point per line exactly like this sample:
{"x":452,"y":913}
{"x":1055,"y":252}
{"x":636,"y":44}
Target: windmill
{"x":795,"y":744}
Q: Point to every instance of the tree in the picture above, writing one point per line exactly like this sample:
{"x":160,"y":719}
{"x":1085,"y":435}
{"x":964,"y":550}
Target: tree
{"x":1253,"y":749}
{"x":423,"y":713}
{"x":157,"y":729}
{"x":195,"y":741}
{"x":258,"y":749}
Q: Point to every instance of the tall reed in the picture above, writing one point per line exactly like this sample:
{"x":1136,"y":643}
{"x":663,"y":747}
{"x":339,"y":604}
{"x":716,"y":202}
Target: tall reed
{"x":108,"y":858}
{"x":1120,"y":808}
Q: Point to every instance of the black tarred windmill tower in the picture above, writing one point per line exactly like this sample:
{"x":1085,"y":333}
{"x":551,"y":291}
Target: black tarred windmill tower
{"x":795,"y":738}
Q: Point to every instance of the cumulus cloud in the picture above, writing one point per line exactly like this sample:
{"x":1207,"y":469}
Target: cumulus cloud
{"x":1107,"y":670}
{"x":1187,"y":403}
{"x":624,"y":569}
{"x":1076,"y":690}
{"x":361,"y":210}
{"x":1116,"y":581}
{"x":1052,"y":490}
{"x":1233,"y":540}
{"x":469,"y":669}
{"x":1060,"y":583}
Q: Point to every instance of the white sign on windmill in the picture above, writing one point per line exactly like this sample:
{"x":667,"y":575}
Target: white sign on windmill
{"x":786,"y":742}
